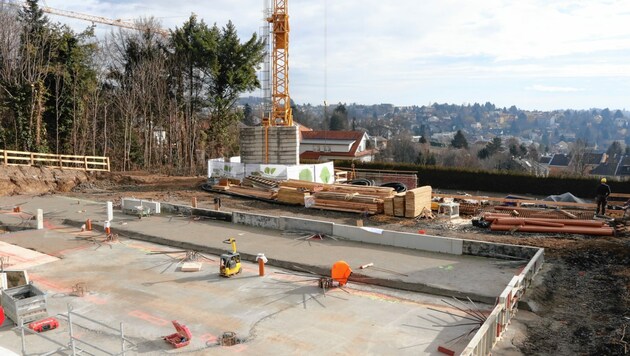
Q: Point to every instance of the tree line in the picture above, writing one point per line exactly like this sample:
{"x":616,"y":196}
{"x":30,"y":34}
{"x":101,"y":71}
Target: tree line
{"x":145,"y":100}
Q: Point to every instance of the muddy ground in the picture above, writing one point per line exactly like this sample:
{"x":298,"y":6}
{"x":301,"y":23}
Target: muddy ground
{"x":580,"y":302}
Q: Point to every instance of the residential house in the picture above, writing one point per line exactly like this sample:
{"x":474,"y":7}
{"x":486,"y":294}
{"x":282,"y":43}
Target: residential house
{"x":559,"y":164}
{"x":591,"y":160}
{"x":331,"y":145}
{"x":623,"y":168}
{"x":609,"y":167}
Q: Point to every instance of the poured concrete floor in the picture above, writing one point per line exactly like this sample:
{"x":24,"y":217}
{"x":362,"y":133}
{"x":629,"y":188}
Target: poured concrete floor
{"x":283,"y":313}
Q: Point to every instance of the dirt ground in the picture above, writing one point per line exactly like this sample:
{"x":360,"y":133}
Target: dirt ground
{"x":581,"y":301}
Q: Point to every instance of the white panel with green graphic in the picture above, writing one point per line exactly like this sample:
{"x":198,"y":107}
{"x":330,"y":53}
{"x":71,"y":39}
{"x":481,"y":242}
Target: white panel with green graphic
{"x":325,"y":173}
{"x":226,"y":169}
{"x":274,"y":171}
{"x":320,"y":173}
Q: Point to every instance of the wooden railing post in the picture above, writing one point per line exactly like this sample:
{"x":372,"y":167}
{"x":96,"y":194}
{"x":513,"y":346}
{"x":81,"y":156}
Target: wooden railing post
{"x":6,"y":158}
{"x":85,"y":163}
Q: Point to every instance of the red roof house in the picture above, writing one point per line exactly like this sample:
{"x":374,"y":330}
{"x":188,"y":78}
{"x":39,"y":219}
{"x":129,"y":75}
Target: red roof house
{"x":331,"y":145}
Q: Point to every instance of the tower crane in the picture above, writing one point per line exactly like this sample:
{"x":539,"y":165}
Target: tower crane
{"x":280,"y":114}
{"x":91,"y":18}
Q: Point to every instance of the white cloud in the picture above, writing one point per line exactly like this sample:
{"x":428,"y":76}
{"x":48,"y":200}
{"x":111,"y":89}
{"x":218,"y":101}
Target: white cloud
{"x":375,"y":47}
{"x":553,"y":89}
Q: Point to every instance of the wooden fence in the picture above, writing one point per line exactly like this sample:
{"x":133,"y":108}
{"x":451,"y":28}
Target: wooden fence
{"x":86,"y":163}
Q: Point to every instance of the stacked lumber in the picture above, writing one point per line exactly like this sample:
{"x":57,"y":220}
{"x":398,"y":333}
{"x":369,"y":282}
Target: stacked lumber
{"x":291,"y":195}
{"x":379,"y":192}
{"x":504,"y":222}
{"x":259,"y":182}
{"x":302,"y":184}
{"x":388,"y":206}
{"x":417,"y":200}
{"x":253,"y":192}
{"x":399,"y":205}
{"x":350,"y":202}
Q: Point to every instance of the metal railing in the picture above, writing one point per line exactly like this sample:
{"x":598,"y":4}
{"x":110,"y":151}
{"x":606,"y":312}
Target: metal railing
{"x":22,"y":158}
{"x":79,"y":346}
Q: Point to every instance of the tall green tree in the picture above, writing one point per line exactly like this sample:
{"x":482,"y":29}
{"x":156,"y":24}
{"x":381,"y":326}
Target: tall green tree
{"x":339,"y":118}
{"x":459,"y":141}
{"x":232,"y":71}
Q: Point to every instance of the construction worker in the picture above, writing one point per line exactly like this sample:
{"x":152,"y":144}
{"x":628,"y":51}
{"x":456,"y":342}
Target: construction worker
{"x":601,"y":197}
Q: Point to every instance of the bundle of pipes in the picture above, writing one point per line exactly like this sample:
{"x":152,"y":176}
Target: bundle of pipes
{"x":504,"y":222}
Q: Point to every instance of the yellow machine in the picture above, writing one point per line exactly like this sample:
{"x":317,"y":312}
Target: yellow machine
{"x":231,"y":261}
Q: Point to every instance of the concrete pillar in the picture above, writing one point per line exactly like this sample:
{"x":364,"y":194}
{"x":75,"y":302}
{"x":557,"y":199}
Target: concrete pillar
{"x":40,"y":219}
{"x":110,"y":211}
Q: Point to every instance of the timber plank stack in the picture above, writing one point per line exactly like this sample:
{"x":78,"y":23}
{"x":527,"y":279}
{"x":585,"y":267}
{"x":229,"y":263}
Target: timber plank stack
{"x":409,"y":204}
{"x":417,"y":200}
{"x":350,"y":202}
{"x":302,"y":184}
{"x":388,"y":206}
{"x":399,"y":205}
{"x":291,"y":195}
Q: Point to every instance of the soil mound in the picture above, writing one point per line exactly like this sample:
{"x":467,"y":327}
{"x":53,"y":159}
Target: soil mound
{"x":28,"y":180}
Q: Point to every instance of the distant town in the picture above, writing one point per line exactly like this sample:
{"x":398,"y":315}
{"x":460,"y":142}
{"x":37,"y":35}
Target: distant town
{"x":478,"y":136}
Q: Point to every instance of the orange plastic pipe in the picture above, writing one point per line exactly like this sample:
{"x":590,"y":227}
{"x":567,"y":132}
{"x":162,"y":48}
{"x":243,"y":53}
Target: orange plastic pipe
{"x":585,"y":230}
{"x":261,"y":267}
{"x":590,"y":223}
{"x":523,"y":221}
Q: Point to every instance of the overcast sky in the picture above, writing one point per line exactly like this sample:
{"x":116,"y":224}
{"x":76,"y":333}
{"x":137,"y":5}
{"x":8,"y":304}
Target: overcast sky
{"x":535,"y":54}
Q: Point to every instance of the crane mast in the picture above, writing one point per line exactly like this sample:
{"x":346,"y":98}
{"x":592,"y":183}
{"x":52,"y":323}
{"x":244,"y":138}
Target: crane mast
{"x":280,"y":114}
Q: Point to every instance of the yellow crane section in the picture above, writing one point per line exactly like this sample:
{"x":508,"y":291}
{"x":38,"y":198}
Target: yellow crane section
{"x":281,"y":114}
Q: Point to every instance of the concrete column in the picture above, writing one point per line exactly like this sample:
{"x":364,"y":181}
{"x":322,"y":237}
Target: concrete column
{"x":110,"y":211}
{"x":40,"y":219}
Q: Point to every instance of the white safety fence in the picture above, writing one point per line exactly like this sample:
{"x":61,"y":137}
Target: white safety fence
{"x":494,"y":327}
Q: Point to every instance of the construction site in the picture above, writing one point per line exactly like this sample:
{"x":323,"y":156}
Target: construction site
{"x":267,"y":254}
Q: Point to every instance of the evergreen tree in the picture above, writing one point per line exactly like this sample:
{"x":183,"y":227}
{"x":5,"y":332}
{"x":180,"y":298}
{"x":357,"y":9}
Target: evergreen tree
{"x":339,"y":118}
{"x":459,"y":141}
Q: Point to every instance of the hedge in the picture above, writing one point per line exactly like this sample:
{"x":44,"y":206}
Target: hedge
{"x":472,"y":181}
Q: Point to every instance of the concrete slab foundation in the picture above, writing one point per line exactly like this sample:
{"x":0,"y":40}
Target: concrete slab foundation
{"x":282,"y":312}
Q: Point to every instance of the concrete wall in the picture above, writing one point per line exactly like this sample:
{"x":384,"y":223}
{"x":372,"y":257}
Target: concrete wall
{"x":168,"y":208}
{"x":132,"y":204}
{"x":264,"y":221}
{"x":296,"y":224}
{"x":489,"y":249}
{"x":398,"y":239}
{"x":282,"y":145}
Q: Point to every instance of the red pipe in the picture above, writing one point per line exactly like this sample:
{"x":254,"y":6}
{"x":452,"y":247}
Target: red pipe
{"x":585,"y":230}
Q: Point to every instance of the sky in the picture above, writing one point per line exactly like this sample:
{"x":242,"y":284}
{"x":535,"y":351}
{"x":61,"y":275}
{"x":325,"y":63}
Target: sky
{"x":535,"y":54}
